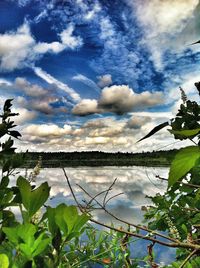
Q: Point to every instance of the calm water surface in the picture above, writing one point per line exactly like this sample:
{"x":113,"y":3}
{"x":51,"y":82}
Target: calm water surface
{"x":134,"y":182}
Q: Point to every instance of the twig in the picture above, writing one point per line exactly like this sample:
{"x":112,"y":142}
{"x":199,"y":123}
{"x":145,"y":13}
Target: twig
{"x":109,"y":189}
{"x":128,"y":223}
{"x":112,"y":198}
{"x":72,"y":192}
{"x":188,"y":258}
{"x":180,"y":182}
{"x":173,"y":245}
{"x":93,"y":198}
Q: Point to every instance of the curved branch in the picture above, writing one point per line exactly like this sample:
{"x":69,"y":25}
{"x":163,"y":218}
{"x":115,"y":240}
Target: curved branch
{"x":180,"y":182}
{"x":128,"y":223}
{"x":188,"y":258}
{"x":176,"y":244}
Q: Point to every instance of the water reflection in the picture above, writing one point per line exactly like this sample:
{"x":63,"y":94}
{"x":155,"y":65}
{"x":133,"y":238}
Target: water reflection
{"x":134,"y":182}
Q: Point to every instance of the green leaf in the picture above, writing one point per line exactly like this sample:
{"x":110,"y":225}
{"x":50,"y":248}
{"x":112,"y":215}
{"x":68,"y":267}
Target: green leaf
{"x":185,"y":133}
{"x":4,"y":261}
{"x":40,"y":245}
{"x":184,"y":161}
{"x":25,"y":189}
{"x":32,"y":199}
{"x":53,"y":228}
{"x":4,"y":182}
{"x":22,"y":232}
{"x":3,"y":129}
{"x":67,"y":219}
{"x":38,"y":197}
{"x":15,"y":134}
{"x":154,"y":130}
{"x":26,"y":250}
{"x":82,"y":219}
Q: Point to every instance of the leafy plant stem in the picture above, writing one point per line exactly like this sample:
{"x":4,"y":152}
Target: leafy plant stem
{"x":189,"y":257}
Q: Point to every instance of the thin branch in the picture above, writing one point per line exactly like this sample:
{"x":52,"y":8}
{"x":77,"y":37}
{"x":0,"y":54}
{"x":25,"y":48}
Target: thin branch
{"x":72,"y":192}
{"x":149,"y":238}
{"x":128,"y":223}
{"x":193,"y":141}
{"x":93,"y":198}
{"x":188,"y":258}
{"x":173,"y":245}
{"x":112,"y":198}
{"x":180,"y":182}
{"x":109,"y":189}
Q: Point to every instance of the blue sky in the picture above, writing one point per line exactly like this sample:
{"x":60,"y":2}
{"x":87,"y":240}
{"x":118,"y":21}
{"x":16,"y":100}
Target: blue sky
{"x":97,"y":75}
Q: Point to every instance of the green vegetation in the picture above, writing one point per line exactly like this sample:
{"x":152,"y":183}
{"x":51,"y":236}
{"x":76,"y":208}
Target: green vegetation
{"x":44,"y":236}
{"x":95,"y":158}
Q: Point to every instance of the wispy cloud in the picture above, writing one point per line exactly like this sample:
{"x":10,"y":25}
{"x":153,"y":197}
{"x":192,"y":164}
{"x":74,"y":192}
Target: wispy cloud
{"x":162,"y":23}
{"x":52,"y":80}
{"x":85,"y":80}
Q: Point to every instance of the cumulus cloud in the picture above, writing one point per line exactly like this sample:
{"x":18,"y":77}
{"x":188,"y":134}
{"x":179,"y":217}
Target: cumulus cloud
{"x":105,"y":134}
{"x":118,"y":99}
{"x":85,"y":107}
{"x":136,"y":122}
{"x":19,"y":48}
{"x":24,"y":116}
{"x":35,"y":98}
{"x":104,"y":80}
{"x":15,"y":47}
{"x":45,"y":132}
{"x":32,"y":90}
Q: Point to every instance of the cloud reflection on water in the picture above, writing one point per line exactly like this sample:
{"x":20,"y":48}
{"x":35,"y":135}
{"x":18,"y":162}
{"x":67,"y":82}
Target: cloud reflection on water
{"x":134,"y":182}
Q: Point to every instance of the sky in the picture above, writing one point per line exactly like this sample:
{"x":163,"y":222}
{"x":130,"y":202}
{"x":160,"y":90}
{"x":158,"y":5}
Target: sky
{"x":99,"y":74}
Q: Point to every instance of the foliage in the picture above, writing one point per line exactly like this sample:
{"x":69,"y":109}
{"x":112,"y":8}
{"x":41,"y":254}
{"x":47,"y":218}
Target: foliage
{"x":26,"y":241}
{"x":178,"y":210}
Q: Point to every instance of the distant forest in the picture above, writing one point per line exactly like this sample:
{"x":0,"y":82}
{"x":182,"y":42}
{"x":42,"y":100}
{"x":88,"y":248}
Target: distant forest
{"x":97,"y":158}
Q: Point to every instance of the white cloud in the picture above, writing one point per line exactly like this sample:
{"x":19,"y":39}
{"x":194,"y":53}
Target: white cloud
{"x":52,"y":80}
{"x":19,"y":48}
{"x":163,"y":23}
{"x":136,"y":122}
{"x":32,"y":90}
{"x":86,"y":81}
{"x":104,"y":80}
{"x":165,"y":16}
{"x":69,"y":40}
{"x":118,"y":99}
{"x":92,"y":13}
{"x":187,"y":82}
{"x":15,"y":47}
{"x":122,"y":99}
{"x":54,"y":47}
{"x":85,"y":107}
{"x":45,"y":131}
{"x":24,"y":116}
{"x":5,"y":82}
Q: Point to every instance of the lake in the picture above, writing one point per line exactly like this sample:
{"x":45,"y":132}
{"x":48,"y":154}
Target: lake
{"x":134,"y":182}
